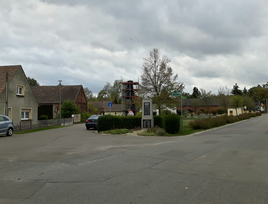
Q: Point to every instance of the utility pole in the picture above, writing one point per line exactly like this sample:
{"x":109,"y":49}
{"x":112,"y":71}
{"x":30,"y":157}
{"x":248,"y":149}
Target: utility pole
{"x":7,"y":94}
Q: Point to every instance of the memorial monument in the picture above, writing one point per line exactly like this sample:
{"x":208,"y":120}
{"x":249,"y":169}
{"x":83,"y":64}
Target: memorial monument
{"x":147,"y":119}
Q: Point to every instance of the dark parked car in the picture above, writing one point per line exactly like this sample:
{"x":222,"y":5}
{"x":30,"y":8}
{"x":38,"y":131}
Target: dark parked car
{"x":6,"y":126}
{"x":92,"y":121}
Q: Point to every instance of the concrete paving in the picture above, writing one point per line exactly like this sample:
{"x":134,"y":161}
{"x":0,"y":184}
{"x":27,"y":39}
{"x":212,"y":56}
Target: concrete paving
{"x":74,"y":165}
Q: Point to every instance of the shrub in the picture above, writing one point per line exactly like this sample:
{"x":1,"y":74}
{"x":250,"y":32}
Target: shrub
{"x":219,"y":110}
{"x":198,"y":112}
{"x":160,"y":132}
{"x":206,"y":111}
{"x":158,"y":121}
{"x":243,"y":116}
{"x":196,"y":124}
{"x":139,"y":114}
{"x":232,"y":119}
{"x":117,"y":131}
{"x":172,"y":123}
{"x":43,"y":117}
{"x":108,"y":122}
{"x":84,"y":116}
{"x":258,"y":113}
{"x":213,"y":112}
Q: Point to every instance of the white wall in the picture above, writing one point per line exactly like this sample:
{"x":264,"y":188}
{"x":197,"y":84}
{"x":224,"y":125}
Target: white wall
{"x":232,"y":111}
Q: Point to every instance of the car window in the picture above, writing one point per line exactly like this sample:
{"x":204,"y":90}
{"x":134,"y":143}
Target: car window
{"x":94,"y":117}
{"x":6,"y":119}
{"x":2,"y":118}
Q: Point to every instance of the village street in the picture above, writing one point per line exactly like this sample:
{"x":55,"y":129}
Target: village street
{"x":74,"y":165}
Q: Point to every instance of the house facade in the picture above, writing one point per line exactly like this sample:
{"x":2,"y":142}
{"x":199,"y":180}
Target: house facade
{"x":48,"y":98}
{"x":103,"y":108}
{"x":17,"y":93}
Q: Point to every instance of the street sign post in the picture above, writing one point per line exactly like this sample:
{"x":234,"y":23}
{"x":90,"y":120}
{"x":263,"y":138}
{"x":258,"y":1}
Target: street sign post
{"x":178,"y":93}
{"x":110,"y":104}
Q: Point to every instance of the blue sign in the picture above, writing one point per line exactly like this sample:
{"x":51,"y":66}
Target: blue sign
{"x":110,"y":104}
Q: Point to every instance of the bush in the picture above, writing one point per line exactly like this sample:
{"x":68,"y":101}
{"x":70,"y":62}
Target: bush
{"x":109,"y":122}
{"x":172,"y":123}
{"x":154,"y":131}
{"x":85,"y":116}
{"x":196,"y":124}
{"x":213,"y":112}
{"x":198,"y":112}
{"x":158,"y":121}
{"x":139,"y":114}
{"x":258,"y":113}
{"x":219,"y":110}
{"x":117,"y":131}
{"x":160,"y":132}
{"x":43,"y":117}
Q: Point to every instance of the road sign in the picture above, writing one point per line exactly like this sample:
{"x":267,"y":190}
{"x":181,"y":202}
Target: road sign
{"x":177,"y":92}
{"x":110,"y":104}
{"x":183,"y":97}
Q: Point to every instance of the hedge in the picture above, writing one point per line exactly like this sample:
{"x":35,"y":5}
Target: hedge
{"x":109,"y":122}
{"x":219,"y":121}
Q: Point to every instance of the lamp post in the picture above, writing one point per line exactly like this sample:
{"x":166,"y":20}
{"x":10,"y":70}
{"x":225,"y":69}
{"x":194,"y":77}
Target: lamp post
{"x":60,"y":100}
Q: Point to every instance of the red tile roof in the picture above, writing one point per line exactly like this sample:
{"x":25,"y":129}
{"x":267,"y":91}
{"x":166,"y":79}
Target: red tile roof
{"x":51,"y":94}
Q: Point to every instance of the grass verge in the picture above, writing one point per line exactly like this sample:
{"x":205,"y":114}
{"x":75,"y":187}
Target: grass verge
{"x":37,"y":130}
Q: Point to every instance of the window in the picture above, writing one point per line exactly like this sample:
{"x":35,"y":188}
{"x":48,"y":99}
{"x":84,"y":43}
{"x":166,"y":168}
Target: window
{"x":20,"y":90}
{"x":9,"y":112}
{"x":25,"y":114}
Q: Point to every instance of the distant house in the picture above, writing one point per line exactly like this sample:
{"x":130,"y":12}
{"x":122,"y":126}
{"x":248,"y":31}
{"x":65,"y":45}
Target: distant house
{"x":22,"y":104}
{"x":48,"y":98}
{"x":103,"y":108}
{"x":187,"y":104}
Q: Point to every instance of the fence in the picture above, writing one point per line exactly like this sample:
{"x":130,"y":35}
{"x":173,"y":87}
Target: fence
{"x":27,"y":125}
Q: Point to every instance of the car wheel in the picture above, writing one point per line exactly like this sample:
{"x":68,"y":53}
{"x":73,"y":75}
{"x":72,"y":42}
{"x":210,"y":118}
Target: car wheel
{"x":88,"y":128}
{"x":9,"y":132}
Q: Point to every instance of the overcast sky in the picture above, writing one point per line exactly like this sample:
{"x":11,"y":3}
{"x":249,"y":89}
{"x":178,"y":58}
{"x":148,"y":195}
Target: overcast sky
{"x":211,"y":43}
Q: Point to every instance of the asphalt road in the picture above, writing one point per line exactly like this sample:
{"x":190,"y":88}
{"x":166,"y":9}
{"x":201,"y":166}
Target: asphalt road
{"x":73,"y":165}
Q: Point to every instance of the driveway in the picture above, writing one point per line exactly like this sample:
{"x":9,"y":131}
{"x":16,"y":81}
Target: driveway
{"x":73,"y":165}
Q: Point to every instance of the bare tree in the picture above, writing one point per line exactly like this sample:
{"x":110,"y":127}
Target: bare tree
{"x":195,"y":103}
{"x":206,"y":98}
{"x":158,"y":80}
{"x":224,"y":97}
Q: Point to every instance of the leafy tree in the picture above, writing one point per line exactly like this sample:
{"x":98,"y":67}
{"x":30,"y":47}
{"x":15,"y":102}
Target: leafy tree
{"x":111,"y":92}
{"x":236,"y":90}
{"x":236,"y":102}
{"x":245,"y":91}
{"x":249,"y":102}
{"x":92,"y":109}
{"x":105,"y":93}
{"x":196,"y":93}
{"x":206,"y":98}
{"x":261,"y":94}
{"x":32,"y":81}
{"x":68,"y":108}
{"x":224,"y":97}
{"x":89,"y":95}
{"x":158,"y":80}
